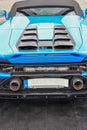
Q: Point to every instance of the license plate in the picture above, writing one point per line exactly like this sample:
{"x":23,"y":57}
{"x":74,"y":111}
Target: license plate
{"x":47,"y":83}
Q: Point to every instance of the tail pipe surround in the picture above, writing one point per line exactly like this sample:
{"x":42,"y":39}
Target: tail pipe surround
{"x":15,"y":85}
{"x":77,"y":83}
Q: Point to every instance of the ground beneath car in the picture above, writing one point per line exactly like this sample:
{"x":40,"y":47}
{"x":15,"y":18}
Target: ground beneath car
{"x":43,"y":115}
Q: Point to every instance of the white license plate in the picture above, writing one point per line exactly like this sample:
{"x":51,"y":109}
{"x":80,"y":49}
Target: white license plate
{"x":48,"y":83}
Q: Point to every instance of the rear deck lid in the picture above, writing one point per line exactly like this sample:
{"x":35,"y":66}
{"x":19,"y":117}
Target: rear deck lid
{"x":46,"y":32}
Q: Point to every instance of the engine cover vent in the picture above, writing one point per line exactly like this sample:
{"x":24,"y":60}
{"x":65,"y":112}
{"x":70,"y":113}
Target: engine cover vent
{"x":29,"y":39}
{"x":61,"y":39}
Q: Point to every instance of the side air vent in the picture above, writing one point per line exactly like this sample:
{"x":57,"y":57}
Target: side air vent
{"x":29,"y":39}
{"x":62,"y":39}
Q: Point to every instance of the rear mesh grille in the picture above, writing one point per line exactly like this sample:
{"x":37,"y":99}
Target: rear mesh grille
{"x":44,"y":68}
{"x":61,"y":39}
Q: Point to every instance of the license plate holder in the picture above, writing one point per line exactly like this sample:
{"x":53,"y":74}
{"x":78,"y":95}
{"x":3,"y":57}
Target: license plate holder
{"x":46,"y":83}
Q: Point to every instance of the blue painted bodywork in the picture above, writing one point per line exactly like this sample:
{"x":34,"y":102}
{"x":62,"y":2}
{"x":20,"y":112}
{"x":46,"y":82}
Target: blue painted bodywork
{"x":4,"y":75}
{"x":11,"y":30}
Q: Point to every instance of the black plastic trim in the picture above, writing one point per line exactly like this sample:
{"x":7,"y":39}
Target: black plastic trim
{"x":45,"y":3}
{"x":45,"y":74}
{"x":34,"y":94}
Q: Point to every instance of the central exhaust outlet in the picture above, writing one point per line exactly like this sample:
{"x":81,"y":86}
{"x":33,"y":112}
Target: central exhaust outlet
{"x":77,"y":83}
{"x":15,"y":84}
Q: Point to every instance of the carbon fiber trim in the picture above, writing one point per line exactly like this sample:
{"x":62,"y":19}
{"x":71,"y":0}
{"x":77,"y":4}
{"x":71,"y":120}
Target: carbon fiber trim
{"x":29,"y":39}
{"x":61,"y":39}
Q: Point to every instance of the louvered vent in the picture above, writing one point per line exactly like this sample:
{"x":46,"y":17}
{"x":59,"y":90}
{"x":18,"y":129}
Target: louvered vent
{"x":62,"y":39}
{"x":29,"y":39}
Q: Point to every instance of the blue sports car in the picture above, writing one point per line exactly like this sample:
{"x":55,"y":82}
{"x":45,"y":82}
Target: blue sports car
{"x":43,"y":50}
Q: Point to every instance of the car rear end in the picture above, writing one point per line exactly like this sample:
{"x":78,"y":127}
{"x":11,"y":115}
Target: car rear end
{"x":45,"y":59}
{"x":46,"y":76}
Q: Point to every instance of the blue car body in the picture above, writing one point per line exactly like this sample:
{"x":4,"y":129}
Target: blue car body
{"x":12,"y":29}
{"x":10,"y":56}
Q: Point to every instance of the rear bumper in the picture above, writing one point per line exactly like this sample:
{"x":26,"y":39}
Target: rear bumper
{"x":43,"y":94}
{"x":28,"y":93}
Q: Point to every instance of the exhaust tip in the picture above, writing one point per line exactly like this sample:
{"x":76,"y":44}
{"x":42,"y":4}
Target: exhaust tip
{"x":77,"y":83}
{"x":15,"y":85}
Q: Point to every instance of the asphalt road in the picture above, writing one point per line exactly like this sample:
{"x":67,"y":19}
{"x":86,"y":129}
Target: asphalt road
{"x":43,"y":115}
